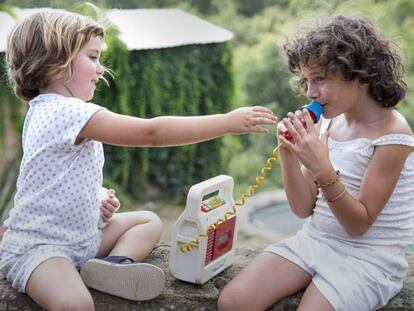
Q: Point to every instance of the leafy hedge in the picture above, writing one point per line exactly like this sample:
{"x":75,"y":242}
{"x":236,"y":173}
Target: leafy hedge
{"x":12,"y":109}
{"x":187,"y":80}
{"x":8,"y":101}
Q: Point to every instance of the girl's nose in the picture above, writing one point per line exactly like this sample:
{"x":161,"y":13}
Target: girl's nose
{"x":312,"y":93}
{"x":99,"y":69}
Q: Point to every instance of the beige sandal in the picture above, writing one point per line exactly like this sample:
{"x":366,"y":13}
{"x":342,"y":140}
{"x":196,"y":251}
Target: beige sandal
{"x":133,"y":281}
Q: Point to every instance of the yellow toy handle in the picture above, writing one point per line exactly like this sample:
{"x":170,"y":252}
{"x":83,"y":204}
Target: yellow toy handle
{"x":186,"y":247}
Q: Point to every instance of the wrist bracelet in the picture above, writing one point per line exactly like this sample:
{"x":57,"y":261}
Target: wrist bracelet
{"x":331,"y":182}
{"x":337,"y":197}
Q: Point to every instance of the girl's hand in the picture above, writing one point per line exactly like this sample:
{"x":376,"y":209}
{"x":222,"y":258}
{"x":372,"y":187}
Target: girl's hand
{"x":246,"y":120}
{"x":280,"y":130}
{"x":109,"y":205}
{"x":311,"y":150}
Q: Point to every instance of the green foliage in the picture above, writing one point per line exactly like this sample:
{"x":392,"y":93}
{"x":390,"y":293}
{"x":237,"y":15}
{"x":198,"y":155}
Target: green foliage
{"x":263,"y":68}
{"x":11,"y":108}
{"x":8,"y":101}
{"x":6,"y":8}
{"x":2,"y":95}
{"x":188,"y":80}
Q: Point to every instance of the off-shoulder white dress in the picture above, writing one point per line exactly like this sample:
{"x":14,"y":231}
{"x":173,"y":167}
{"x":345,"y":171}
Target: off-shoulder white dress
{"x":357,"y":273}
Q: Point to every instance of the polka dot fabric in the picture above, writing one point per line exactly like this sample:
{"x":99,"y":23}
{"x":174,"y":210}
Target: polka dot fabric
{"x":56,"y":202}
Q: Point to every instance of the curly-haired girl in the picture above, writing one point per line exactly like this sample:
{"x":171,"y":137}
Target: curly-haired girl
{"x":352,"y":174}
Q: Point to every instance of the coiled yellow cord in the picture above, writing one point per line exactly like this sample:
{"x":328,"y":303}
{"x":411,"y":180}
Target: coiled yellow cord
{"x":186,"y":247}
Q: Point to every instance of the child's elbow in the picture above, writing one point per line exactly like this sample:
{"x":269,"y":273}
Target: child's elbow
{"x":357,"y":232}
{"x":359,"y":226}
{"x":152,"y":138}
{"x":301,"y":208}
{"x":302,"y":214}
{"x":354,"y":234}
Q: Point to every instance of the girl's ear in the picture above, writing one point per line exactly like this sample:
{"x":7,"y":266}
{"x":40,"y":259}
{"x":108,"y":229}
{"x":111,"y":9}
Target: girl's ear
{"x":363,"y":83}
{"x":364,"y":86}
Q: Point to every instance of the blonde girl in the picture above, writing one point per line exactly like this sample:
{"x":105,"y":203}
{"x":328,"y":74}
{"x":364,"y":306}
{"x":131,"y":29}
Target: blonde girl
{"x":352,"y":175}
{"x":53,"y":229}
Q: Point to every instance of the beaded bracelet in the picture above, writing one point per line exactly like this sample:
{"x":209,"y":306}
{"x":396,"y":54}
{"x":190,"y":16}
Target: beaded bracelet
{"x":331,"y":182}
{"x":337,"y":197}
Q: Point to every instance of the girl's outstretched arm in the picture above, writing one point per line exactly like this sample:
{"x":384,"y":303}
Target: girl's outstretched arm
{"x":117,"y":129}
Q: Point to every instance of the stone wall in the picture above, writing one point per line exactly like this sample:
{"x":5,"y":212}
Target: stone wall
{"x":179,"y":295}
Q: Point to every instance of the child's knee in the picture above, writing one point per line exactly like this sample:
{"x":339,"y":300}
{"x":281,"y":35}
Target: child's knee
{"x":227,"y":299}
{"x":83,"y":302}
{"x":155,"y":221}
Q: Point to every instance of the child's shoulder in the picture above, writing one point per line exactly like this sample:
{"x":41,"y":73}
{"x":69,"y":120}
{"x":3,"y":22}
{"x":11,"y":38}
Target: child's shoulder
{"x":400,"y":124}
{"x":394,"y":130}
{"x":60,"y":103}
{"x":53,"y":98}
{"x":396,"y":124}
{"x":389,"y":124}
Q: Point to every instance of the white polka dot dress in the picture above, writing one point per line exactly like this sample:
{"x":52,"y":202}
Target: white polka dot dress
{"x":57,"y":201}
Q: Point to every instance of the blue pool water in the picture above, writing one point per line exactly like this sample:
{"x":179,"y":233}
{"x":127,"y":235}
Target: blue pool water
{"x":277,"y":218}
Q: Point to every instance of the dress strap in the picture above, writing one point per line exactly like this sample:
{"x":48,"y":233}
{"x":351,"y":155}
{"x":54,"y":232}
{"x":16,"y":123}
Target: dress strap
{"x":394,"y":139}
{"x":325,"y":123}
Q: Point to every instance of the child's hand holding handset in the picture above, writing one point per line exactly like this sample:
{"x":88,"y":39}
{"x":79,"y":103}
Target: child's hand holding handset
{"x":311,"y":150}
{"x":109,"y":206}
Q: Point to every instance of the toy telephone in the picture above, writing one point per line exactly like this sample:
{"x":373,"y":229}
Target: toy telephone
{"x":198,"y":259}
{"x":206,"y":203}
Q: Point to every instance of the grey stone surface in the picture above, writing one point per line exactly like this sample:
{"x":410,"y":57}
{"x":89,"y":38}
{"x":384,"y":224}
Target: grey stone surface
{"x":179,"y":295}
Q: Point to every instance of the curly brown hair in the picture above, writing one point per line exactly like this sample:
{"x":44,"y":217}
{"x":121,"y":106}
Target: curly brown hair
{"x":351,"y":46}
{"x":42,"y":46}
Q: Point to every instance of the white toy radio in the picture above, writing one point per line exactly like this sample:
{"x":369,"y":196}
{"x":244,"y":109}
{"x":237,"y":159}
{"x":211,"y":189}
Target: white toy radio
{"x":206,"y":203}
